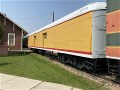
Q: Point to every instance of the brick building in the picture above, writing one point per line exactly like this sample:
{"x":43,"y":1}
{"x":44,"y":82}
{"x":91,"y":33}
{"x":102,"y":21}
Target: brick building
{"x":13,"y":33}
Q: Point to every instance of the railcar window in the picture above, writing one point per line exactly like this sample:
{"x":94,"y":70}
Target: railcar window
{"x":45,"y":35}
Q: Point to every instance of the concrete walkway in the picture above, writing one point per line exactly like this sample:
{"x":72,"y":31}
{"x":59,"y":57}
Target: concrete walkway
{"x":10,"y":82}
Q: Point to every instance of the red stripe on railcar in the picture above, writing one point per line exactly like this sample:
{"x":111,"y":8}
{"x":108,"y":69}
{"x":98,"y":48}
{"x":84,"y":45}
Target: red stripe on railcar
{"x":74,"y":51}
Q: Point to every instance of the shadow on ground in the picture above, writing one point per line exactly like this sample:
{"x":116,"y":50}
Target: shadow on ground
{"x":3,"y":64}
{"x":17,"y":54}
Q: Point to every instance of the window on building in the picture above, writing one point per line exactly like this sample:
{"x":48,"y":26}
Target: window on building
{"x":4,"y":21}
{"x":45,"y":35}
{"x":11,"y":39}
{"x":13,"y":27}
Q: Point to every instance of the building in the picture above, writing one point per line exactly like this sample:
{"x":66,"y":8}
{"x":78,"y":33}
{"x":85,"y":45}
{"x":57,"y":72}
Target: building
{"x":13,"y":33}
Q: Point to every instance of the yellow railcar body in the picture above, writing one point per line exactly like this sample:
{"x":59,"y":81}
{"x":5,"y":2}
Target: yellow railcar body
{"x":31,"y":40}
{"x":74,"y":34}
{"x":35,"y":40}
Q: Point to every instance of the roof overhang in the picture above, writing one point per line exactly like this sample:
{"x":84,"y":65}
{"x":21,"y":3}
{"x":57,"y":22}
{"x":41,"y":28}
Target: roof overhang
{"x":24,"y":31}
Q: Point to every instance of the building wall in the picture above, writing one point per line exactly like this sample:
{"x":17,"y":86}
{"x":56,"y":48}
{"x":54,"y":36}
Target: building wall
{"x":8,"y":28}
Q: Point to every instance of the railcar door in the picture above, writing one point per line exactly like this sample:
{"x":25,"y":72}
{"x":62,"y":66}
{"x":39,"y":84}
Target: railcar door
{"x":44,"y":38}
{"x":34,"y":40}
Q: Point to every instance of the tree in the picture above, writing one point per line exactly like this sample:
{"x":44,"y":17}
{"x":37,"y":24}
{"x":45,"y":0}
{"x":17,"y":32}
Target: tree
{"x":1,"y":31}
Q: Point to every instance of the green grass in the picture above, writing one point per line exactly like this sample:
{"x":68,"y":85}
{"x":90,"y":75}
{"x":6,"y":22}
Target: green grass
{"x":38,"y":67}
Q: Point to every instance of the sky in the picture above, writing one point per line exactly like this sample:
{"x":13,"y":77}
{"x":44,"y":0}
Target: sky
{"x":34,"y":14}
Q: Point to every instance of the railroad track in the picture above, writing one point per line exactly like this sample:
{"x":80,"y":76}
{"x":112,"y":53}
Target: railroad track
{"x":109,"y":81}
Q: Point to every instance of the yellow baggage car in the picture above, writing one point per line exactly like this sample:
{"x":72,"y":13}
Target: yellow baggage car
{"x":78,"y":38}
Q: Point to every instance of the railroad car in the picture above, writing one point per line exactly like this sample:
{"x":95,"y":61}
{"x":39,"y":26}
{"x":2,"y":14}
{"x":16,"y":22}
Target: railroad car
{"x":78,"y":38}
{"x":113,"y":36}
